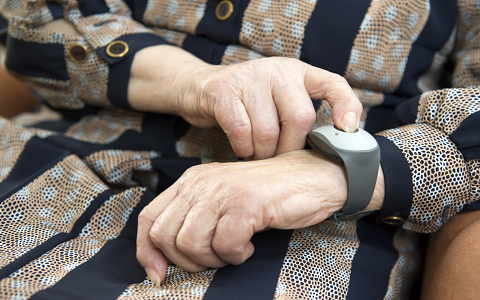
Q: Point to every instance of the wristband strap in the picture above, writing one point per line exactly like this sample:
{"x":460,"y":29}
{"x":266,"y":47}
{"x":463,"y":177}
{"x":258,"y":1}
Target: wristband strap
{"x":360,"y":154}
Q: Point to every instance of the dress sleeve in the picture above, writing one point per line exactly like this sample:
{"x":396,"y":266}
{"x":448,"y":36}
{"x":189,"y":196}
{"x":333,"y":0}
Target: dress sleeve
{"x":73,"y":72}
{"x":431,"y":161}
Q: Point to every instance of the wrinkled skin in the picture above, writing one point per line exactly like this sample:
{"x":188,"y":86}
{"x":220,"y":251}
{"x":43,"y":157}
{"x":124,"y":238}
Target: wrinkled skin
{"x":207,"y":218}
{"x":264,"y":106}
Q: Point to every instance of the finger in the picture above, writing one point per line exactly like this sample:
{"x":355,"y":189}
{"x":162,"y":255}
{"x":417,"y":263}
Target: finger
{"x":235,"y":122}
{"x":263,"y":115}
{"x":165,"y":231}
{"x":297,"y":116}
{"x":232,"y":237}
{"x":324,"y":85}
{"x":195,"y":236}
{"x":148,"y":255}
{"x":154,"y":262}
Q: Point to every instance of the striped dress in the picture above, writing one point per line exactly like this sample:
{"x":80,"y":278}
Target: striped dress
{"x":75,"y":174}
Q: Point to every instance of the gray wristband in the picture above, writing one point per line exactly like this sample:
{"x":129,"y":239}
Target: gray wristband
{"x":360,"y":154}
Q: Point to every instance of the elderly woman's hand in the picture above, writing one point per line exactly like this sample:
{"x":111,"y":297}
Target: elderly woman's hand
{"x":264,"y":106}
{"x":207,"y":218}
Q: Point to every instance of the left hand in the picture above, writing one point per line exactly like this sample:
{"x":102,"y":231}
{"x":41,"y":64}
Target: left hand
{"x":207,"y":218}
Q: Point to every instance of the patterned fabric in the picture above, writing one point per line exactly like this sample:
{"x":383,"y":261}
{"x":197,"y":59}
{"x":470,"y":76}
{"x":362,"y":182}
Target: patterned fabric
{"x":383,"y":54}
{"x":276,"y":27}
{"x":75,"y":174}
{"x":328,"y":249}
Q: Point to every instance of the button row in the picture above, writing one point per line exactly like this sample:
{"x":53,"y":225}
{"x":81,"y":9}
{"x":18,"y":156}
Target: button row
{"x":78,"y":53}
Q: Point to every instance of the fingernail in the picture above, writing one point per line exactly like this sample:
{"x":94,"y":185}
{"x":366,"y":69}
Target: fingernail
{"x":153,"y":276}
{"x":349,"y":122}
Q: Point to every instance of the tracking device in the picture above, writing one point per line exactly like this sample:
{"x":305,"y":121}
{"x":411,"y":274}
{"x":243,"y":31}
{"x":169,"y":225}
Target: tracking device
{"x":360,"y":154}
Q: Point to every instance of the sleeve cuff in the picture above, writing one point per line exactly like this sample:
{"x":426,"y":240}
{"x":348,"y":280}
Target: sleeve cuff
{"x":398,"y":183}
{"x":119,"y":75}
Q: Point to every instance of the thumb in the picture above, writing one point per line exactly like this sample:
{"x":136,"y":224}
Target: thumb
{"x":324,"y":85}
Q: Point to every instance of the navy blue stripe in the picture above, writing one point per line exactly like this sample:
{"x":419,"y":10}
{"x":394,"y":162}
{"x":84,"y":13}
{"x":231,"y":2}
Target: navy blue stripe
{"x":159,"y":133}
{"x":36,"y":158}
{"x":170,"y":169}
{"x":3,"y":22}
{"x":406,"y":112}
{"x":373,"y":261}
{"x":77,"y":147}
{"x":472,"y":206}
{"x":56,"y":239}
{"x":132,"y":140}
{"x":471,"y":153}
{"x":205,"y":49}
{"x":129,"y":140}
{"x":395,"y":100}
{"x":163,"y":130}
{"x":107,"y":274}
{"x":60,"y":126}
{"x":92,"y":7}
{"x":437,"y":30}
{"x":398,"y":180}
{"x":36,"y":60}
{"x":323,"y":46}
{"x":55,"y":9}
{"x":118,"y":79}
{"x":467,"y":137}
{"x":387,"y":114}
{"x":227,"y":31}
{"x":419,"y":61}
{"x":138,"y":8}
{"x":76,"y":114}
{"x":3,"y":30}
{"x":257,"y":277}
{"x":394,"y":112}
{"x":378,"y":119}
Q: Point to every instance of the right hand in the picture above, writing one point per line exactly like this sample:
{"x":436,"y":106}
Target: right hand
{"x":264,"y":105}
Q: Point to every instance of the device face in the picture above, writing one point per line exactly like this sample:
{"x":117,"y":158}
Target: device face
{"x":339,"y":139}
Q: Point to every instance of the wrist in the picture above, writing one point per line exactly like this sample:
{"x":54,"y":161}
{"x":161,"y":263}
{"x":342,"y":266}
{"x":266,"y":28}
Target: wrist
{"x":339,"y":173}
{"x":166,"y":79}
{"x":191,"y":100}
{"x":379,"y":193}
{"x":328,"y":180}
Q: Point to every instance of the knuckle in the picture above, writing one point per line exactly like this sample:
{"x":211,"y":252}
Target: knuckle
{"x":306,"y":119}
{"x":185,"y":245}
{"x":336,"y":78}
{"x":232,"y":254}
{"x":225,"y":249}
{"x":239,"y":128}
{"x":194,"y":251}
{"x":268,"y":134}
{"x":144,"y":215}
{"x":192,"y":172}
{"x":160,"y":238}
